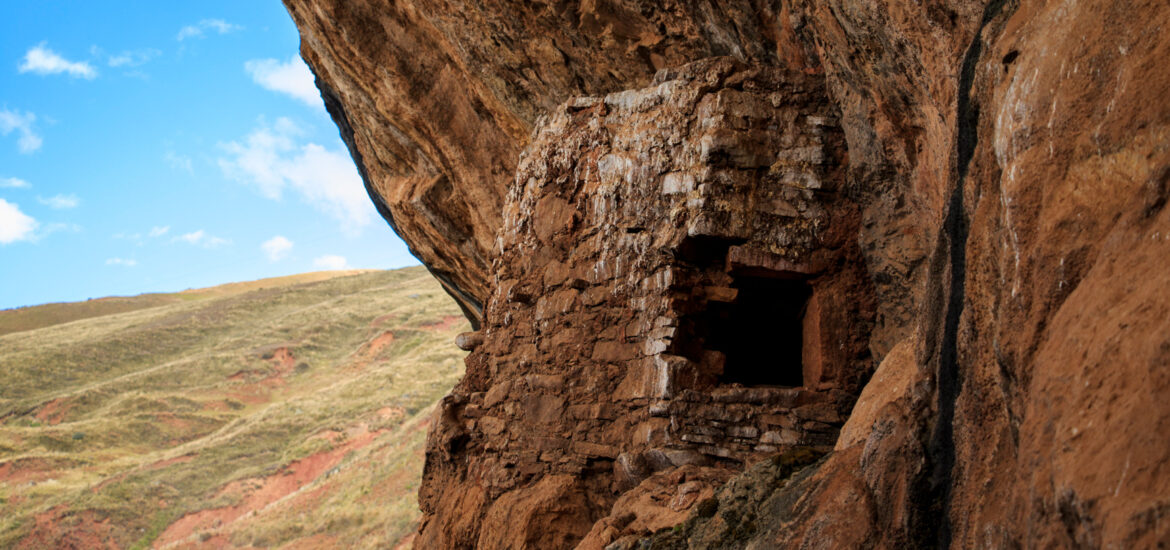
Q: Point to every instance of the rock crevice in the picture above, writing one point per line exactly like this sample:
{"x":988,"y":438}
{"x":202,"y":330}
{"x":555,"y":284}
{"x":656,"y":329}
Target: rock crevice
{"x":924,"y":238}
{"x":955,"y":229}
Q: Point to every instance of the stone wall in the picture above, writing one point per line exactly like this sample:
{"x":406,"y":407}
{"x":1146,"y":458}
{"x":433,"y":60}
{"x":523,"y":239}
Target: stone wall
{"x":1006,"y":184}
{"x":634,"y":222}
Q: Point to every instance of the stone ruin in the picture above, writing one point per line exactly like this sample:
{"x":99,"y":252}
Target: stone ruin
{"x":1008,"y":209}
{"x":674,"y":284}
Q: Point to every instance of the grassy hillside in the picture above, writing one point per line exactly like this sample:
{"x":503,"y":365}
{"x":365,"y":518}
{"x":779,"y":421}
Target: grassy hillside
{"x":29,"y":318}
{"x":282,"y":414}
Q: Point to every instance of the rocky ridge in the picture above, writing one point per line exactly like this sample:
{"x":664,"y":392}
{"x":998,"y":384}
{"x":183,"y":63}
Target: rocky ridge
{"x":947,"y":216}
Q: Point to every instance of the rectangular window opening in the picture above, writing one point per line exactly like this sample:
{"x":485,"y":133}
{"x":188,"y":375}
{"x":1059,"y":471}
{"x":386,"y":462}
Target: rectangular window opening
{"x":760,"y":333}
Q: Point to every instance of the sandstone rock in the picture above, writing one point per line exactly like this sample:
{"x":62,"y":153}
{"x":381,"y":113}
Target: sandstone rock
{"x":491,"y":425}
{"x":468,"y":341}
{"x":604,"y":158}
{"x":883,"y":397}
{"x":521,"y":518}
{"x":497,"y":394}
{"x":436,"y":100}
{"x":660,"y":501}
{"x":973,"y":190}
{"x":731,"y":517}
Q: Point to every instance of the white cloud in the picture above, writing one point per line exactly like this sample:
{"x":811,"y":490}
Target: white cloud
{"x":158,"y":231}
{"x":201,"y":238}
{"x":43,"y":61}
{"x":128,"y":236}
{"x":196,"y":31}
{"x":219,"y":25}
{"x":331,"y":261}
{"x":292,"y":78}
{"x":60,"y":202}
{"x":179,"y":162}
{"x":271,"y":159}
{"x":14,"y":224}
{"x":14,"y":183}
{"x":11,"y":121}
{"x":133,"y":58}
{"x":188,"y":32}
{"x":276,"y":248}
{"x":193,"y":237}
{"x":57,"y":227}
{"x":122,"y":262}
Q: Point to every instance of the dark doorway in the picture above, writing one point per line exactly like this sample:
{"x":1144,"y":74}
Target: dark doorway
{"x":761,"y":332}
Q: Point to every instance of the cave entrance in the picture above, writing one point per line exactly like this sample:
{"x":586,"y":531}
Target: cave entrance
{"x":761,"y":332}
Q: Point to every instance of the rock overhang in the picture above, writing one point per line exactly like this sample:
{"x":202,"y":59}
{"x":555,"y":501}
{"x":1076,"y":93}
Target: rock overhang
{"x":631,"y":219}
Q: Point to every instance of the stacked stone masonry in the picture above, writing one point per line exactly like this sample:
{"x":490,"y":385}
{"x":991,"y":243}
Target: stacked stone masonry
{"x":637,"y":223}
{"x":1007,"y":180}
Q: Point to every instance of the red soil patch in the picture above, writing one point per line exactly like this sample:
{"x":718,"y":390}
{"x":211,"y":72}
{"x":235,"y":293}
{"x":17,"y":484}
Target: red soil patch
{"x":217,"y":406}
{"x":262,"y":492}
{"x":308,"y":500}
{"x":448,"y":322}
{"x":24,"y":470}
{"x":59,"y":528}
{"x":284,"y":361}
{"x":253,"y":393}
{"x":370,"y":350}
{"x":300,"y":503}
{"x":378,"y":344}
{"x":105,"y":482}
{"x":332,"y":436}
{"x":387,"y":413}
{"x":54,"y":411}
{"x":182,"y":459}
{"x":382,"y":319}
{"x":250,"y":395}
{"x":169,"y":419}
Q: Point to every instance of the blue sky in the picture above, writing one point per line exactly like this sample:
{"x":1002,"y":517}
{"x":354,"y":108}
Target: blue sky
{"x":157,"y":146}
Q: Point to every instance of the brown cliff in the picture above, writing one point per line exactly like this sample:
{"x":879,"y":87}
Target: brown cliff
{"x":690,"y":231}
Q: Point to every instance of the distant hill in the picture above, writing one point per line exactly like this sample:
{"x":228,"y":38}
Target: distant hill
{"x":287,"y":412}
{"x":47,"y":315}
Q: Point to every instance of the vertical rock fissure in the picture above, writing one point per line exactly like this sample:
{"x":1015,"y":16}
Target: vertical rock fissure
{"x":955,"y":228}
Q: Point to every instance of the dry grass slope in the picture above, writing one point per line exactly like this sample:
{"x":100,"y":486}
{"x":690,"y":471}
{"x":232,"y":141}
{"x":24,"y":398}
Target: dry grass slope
{"x":281,"y":413}
{"x":47,"y":315}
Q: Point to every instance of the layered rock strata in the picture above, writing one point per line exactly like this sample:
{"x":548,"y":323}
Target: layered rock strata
{"x":991,"y":232}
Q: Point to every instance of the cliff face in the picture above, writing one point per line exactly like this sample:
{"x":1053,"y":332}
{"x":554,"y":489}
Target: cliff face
{"x":928,"y":239}
{"x":437,"y":99}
